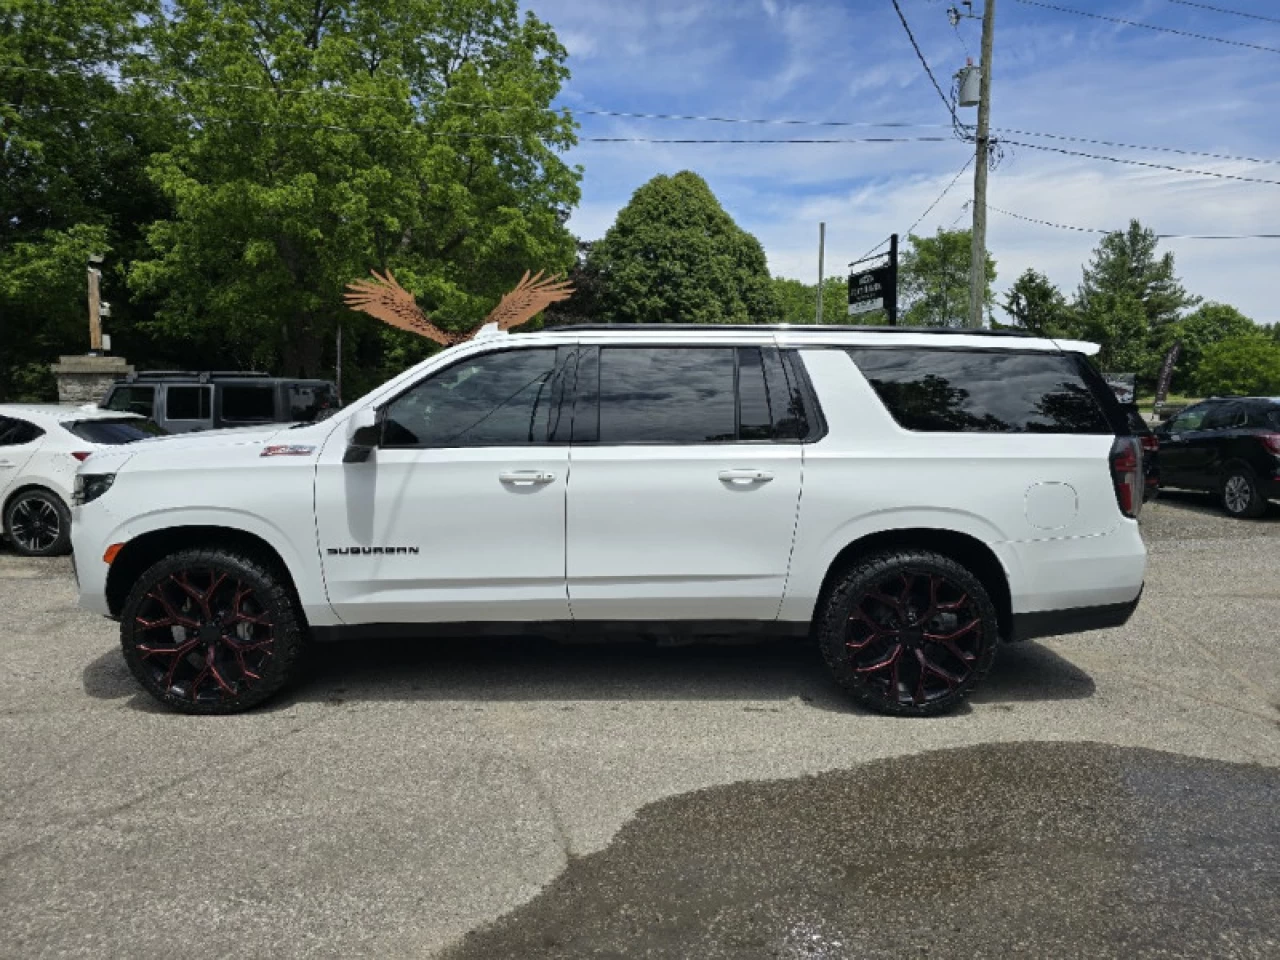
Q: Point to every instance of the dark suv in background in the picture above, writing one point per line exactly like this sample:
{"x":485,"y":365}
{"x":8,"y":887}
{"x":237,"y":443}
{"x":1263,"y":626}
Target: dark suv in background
{"x":1229,"y":446}
{"x":182,"y":402}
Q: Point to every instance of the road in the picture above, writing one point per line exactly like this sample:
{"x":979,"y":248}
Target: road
{"x":1109,"y":794}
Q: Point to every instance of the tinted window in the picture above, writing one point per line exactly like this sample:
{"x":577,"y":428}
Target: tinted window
{"x":138,"y":400}
{"x":1189,"y":420}
{"x":307,"y":400}
{"x":983,"y":391}
{"x":188,"y":403}
{"x":15,"y":432}
{"x":498,"y":399}
{"x":114,"y":431}
{"x":1223,"y":416}
{"x":667,"y":395}
{"x":248,"y":404}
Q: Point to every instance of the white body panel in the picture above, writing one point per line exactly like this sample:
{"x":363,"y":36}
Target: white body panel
{"x":488,"y":549}
{"x":655,"y":533}
{"x":637,"y":532}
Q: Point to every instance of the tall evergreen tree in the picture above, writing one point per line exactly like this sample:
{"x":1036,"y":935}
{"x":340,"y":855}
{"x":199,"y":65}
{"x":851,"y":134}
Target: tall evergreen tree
{"x":675,"y":256}
{"x":1034,"y":304}
{"x":1130,"y":291}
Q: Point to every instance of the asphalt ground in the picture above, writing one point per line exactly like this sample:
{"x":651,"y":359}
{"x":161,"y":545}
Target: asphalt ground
{"x":1108,"y":794}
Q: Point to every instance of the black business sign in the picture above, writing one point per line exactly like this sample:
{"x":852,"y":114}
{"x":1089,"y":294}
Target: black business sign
{"x":875,"y":289}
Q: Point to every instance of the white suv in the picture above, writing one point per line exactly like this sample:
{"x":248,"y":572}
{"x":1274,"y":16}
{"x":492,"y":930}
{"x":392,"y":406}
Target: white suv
{"x":910,"y":498}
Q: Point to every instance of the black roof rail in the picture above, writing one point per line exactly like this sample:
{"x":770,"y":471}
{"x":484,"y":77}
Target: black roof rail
{"x":202,"y":376}
{"x":730,"y":328}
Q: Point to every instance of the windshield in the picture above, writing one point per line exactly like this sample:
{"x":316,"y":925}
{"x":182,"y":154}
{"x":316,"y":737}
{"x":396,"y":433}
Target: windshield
{"x":114,"y":432}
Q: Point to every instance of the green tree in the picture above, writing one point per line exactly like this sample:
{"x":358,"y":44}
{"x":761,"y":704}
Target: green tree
{"x":933,"y":280}
{"x":323,"y":139}
{"x":1034,"y":304}
{"x":675,"y":256}
{"x":1125,"y":270}
{"x":1248,"y":365}
{"x":73,"y":145}
{"x":1210,"y":323}
{"x":799,"y":300}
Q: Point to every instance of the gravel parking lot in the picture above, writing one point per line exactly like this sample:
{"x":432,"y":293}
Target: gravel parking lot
{"x":1110,"y":794}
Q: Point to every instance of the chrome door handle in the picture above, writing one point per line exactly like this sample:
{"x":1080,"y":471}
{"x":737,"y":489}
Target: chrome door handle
{"x":526,"y":476}
{"x":745,"y":476}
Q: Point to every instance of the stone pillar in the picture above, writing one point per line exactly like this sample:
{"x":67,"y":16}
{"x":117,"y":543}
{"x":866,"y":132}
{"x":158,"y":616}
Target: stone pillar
{"x":85,"y":379}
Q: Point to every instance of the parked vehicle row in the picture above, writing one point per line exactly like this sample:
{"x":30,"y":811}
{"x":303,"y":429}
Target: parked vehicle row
{"x":910,"y":498}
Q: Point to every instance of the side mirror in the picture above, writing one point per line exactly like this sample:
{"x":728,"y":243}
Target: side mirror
{"x":363,"y":433}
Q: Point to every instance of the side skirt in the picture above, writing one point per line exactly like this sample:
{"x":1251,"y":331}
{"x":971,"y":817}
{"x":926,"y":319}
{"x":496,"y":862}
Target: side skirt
{"x":586,"y":631}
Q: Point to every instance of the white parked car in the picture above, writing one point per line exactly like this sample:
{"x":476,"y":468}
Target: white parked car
{"x":911,"y":498}
{"x":40,"y":448}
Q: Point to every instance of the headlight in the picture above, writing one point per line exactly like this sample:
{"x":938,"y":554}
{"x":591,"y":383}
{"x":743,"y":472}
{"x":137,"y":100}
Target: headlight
{"x":90,"y":486}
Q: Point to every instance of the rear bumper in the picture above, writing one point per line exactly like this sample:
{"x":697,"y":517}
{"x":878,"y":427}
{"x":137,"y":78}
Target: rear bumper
{"x":1053,"y":623}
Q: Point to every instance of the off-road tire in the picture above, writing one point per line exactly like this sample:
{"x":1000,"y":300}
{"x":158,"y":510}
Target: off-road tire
{"x":1240,"y":487}
{"x":245,"y":593}
{"x":50,"y":506}
{"x":857,"y":585}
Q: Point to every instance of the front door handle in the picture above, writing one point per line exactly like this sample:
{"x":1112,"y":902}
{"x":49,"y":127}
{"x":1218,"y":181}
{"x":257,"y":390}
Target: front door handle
{"x":526,"y":477}
{"x":745,"y":476}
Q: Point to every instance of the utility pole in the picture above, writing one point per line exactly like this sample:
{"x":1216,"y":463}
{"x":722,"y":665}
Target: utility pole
{"x":978,"y":253}
{"x":822,"y":240}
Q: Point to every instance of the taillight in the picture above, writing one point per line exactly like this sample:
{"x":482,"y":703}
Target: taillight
{"x":82,"y":455}
{"x":1272,"y":442}
{"x":1126,"y":473}
{"x":1150,"y":443}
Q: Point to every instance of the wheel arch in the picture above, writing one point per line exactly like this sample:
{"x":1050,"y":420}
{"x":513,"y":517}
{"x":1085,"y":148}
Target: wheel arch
{"x":146,"y":549}
{"x":965,"y":549}
{"x":27,"y":488}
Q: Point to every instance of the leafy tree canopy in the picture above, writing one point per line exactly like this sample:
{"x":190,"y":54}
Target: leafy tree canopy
{"x":319,"y":140}
{"x":675,"y":256}
{"x":72,"y":153}
{"x":1248,"y":365}
{"x":800,"y":300}
{"x":1209,"y":324}
{"x":933,"y":281}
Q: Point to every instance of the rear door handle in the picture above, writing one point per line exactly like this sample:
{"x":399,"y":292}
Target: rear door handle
{"x":6,"y":463}
{"x":524,"y":477}
{"x":745,"y":476}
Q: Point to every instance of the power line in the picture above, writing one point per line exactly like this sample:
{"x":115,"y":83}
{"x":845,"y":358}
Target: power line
{"x":1136,"y":146}
{"x":946,"y":101}
{"x":1147,"y":26}
{"x":1160,"y":236}
{"x":945,"y":191}
{"x":472,"y":135}
{"x":1234,"y":13}
{"x":1141,"y":163}
{"x":777,"y":121}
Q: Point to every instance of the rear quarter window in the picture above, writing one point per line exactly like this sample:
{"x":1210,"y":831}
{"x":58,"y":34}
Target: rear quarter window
{"x":982,"y":391}
{"x":114,"y":432}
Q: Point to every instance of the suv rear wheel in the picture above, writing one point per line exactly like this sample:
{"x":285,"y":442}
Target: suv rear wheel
{"x":908,"y":632}
{"x":211,"y":631}
{"x":1240,"y":494}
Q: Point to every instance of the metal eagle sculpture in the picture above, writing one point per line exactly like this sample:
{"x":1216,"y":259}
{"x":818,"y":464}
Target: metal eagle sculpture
{"x":384,"y":298}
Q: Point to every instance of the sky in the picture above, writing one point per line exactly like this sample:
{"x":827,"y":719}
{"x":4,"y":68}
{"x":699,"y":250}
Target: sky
{"x":1053,"y":73}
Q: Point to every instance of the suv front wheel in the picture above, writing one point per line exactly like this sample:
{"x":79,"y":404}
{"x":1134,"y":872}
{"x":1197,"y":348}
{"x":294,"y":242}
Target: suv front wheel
{"x":908,"y":632}
{"x":211,"y":631}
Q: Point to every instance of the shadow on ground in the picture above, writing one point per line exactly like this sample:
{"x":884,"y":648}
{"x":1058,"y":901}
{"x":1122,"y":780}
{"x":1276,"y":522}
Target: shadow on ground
{"x":1032,"y":849}
{"x":532,"y":669}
